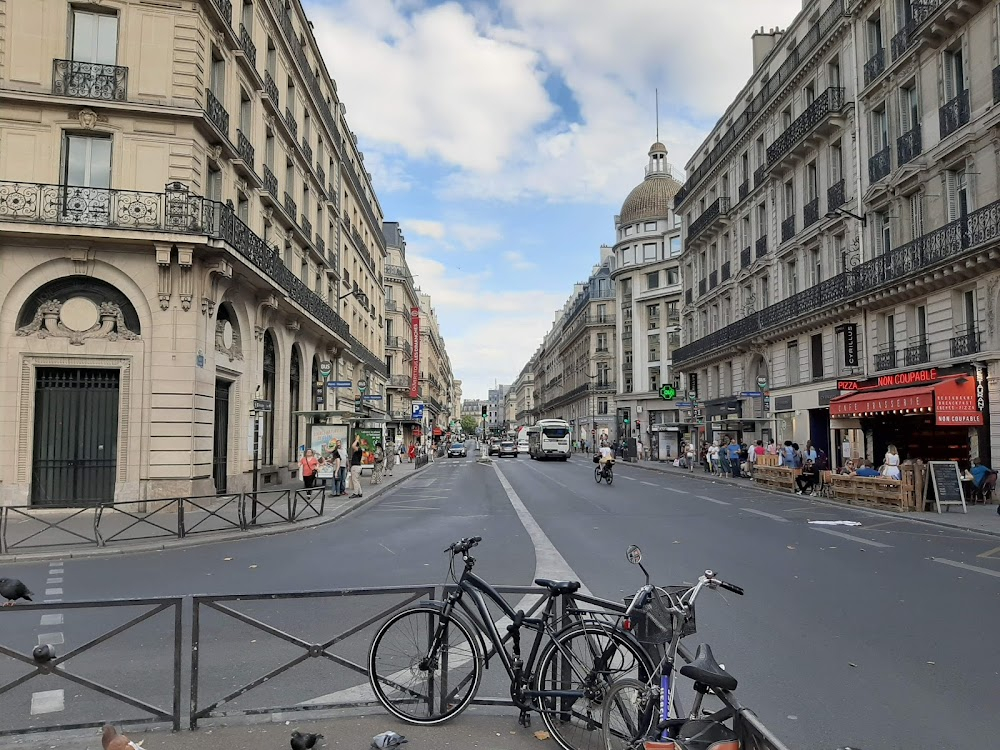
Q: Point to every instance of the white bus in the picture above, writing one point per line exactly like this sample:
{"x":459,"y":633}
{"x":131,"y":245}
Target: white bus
{"x":549,"y":438}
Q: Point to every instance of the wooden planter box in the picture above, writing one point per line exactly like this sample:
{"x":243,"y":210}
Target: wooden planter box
{"x":877,"y":492}
{"x":776,"y":477}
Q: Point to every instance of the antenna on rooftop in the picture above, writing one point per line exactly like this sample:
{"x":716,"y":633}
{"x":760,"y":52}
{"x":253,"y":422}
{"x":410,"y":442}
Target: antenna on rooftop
{"x":657,"y":115}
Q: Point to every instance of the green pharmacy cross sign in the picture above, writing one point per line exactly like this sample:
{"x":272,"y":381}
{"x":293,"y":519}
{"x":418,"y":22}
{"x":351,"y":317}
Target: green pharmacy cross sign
{"x":668,"y":393}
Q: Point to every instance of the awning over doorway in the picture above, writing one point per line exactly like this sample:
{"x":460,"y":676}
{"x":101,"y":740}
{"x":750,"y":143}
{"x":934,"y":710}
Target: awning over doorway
{"x":952,"y":401}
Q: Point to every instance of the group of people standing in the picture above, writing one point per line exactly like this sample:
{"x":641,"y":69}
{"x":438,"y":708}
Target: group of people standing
{"x":347,"y":465}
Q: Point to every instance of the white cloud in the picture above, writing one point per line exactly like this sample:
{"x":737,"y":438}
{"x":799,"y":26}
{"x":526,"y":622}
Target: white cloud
{"x":424,"y":228}
{"x":450,"y":236}
{"x":517,"y":261}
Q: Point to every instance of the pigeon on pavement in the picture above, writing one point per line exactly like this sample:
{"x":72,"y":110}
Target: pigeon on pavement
{"x":304,"y":741}
{"x":388,"y":739}
{"x":12,"y":589}
{"x":111,"y":740}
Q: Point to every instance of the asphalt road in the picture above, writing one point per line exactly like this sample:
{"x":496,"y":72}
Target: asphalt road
{"x":867,"y":635}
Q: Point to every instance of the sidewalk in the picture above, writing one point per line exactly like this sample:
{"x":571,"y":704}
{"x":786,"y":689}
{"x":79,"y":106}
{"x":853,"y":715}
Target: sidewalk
{"x":76,"y":526}
{"x":980,"y":518}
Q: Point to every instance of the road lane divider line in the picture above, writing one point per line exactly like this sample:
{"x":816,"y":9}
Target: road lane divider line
{"x":679,"y":492}
{"x":52,"y":581}
{"x":47,"y":702}
{"x":713,"y":500}
{"x":765,"y":514}
{"x":51,"y":620}
{"x":631,"y":479}
{"x":966,"y":566}
{"x":53,"y":592}
{"x":650,"y":484}
{"x":858,"y":539}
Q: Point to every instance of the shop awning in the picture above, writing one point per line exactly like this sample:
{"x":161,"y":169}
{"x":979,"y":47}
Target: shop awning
{"x":952,"y":401}
{"x":438,"y":431}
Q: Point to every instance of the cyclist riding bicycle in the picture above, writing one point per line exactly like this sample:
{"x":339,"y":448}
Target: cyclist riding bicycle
{"x":607,"y":457}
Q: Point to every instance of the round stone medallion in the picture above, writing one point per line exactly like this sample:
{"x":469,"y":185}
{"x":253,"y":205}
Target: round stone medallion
{"x":79,"y":314}
{"x":227,"y":334}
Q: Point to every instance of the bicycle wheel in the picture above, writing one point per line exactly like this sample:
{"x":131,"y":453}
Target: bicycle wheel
{"x":627,"y":714}
{"x":419,"y":686}
{"x":597,"y":474}
{"x":569,"y":663}
{"x":610,"y":476}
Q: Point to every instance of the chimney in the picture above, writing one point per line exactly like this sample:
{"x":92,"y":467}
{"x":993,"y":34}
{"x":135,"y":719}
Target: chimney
{"x":763,"y":42}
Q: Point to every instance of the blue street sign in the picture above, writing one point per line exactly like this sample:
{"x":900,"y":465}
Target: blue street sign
{"x":373,"y":397}
{"x":752,"y":394}
{"x":418,"y":411}
{"x":339,"y":384}
{"x":684,"y":404}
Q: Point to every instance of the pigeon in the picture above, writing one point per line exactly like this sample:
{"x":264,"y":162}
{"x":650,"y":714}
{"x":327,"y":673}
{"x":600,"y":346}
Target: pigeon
{"x":388,"y":739}
{"x":12,"y":589}
{"x":304,"y":741}
{"x":111,"y":740}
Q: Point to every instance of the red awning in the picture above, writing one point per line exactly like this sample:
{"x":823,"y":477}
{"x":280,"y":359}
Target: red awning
{"x":952,"y":400}
{"x":437,"y":431}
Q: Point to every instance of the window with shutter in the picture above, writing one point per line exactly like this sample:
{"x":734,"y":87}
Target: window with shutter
{"x":836,"y":164}
{"x":916,"y":215}
{"x":951,"y":194}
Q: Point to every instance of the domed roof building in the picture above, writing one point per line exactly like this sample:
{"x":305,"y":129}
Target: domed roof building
{"x":653,"y":198}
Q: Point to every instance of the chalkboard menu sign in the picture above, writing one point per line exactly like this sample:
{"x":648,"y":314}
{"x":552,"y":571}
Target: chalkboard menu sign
{"x":945,"y":481}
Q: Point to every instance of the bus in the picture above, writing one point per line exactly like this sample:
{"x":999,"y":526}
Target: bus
{"x":549,"y":438}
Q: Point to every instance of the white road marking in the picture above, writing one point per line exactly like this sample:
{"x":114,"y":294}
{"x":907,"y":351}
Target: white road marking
{"x":858,"y":539}
{"x":55,"y":571}
{"x":401,"y":507}
{"x":679,"y":492}
{"x":713,"y":500}
{"x":966,"y":566}
{"x":47,"y":702}
{"x":650,"y":484}
{"x":52,"y":638}
{"x":51,"y":601}
{"x":631,"y":479}
{"x":53,"y":592}
{"x":766,"y":515}
{"x":53,"y":580}
{"x":51,"y":620}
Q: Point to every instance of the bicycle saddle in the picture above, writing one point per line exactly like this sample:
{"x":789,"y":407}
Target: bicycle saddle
{"x":706,"y":670}
{"x":558,"y":587}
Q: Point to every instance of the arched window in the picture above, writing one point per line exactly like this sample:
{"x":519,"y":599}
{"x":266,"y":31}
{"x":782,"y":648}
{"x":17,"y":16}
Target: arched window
{"x":78,"y":308}
{"x":294,"y":387}
{"x":270,"y":370}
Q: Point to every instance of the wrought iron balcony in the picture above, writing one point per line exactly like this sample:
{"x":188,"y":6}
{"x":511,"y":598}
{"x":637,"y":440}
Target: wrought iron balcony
{"x":245,"y":149}
{"x":307,"y":150}
{"x":996,"y":85}
{"x":885,"y":360}
{"x":788,"y":228}
{"x":719,"y":207}
{"x":306,"y":225}
{"x":746,"y":257}
{"x":290,"y":208}
{"x":702,"y":287}
{"x":320,"y":245}
{"x":759,"y":175}
{"x":249,"y":48}
{"x":399,"y":381}
{"x":713,"y":279}
{"x":879,"y":165}
{"x":744,"y":189}
{"x":816,"y":114}
{"x":761,"y":246}
{"x":875,"y":66}
{"x":225,"y":8}
{"x":909,"y":145}
{"x":600,"y":320}
{"x":835,"y":197}
{"x":916,"y":354}
{"x":965,"y":343}
{"x":726,"y":269}
{"x":810,"y":213}
{"x":954,"y":114}
{"x":90,"y":80}
{"x":270,"y":182}
{"x":271,"y":88}
{"x":321,"y":176}
{"x":216,"y":113}
{"x":290,"y":122}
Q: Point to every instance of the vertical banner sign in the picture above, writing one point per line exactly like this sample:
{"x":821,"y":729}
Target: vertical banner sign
{"x":415,"y":364}
{"x":850,"y":331}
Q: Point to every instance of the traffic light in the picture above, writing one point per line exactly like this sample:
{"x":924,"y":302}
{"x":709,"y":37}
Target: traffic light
{"x":357,"y":403}
{"x":320,"y":394}
{"x":485,"y":408}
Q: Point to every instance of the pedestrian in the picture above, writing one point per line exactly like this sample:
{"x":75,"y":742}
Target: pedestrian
{"x":806,"y":481}
{"x":810,"y":454}
{"x":890,"y":464}
{"x":338,"y":476}
{"x":400,"y":451}
{"x":412,"y":452}
{"x":378,"y":462}
{"x":638,"y":450}
{"x":713,"y":458}
{"x":798,"y":456}
{"x":772,"y":448}
{"x":689,"y":455}
{"x":356,"y":454}
{"x":309,"y":465}
{"x":788,"y":455}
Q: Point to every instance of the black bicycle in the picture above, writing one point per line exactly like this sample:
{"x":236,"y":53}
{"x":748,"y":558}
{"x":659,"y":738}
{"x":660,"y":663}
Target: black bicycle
{"x":605,"y":471}
{"x":426,"y":662}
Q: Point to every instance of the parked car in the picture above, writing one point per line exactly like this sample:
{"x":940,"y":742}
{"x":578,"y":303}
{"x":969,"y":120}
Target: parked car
{"x":457,"y":450}
{"x":507,"y":448}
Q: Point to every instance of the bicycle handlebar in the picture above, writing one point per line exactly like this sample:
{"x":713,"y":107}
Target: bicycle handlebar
{"x":463,"y":545}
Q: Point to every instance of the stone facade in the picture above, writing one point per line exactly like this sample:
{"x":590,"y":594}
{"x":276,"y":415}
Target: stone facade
{"x":146,"y":254}
{"x":401,"y":299}
{"x":436,"y":377}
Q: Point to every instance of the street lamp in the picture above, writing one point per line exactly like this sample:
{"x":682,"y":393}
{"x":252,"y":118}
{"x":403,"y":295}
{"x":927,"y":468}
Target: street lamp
{"x":834,"y":212}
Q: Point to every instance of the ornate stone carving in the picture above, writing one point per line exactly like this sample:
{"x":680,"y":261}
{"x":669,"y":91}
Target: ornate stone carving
{"x":87,"y":118}
{"x":207,"y":306}
{"x":991,"y":307}
{"x":215,"y":154}
{"x":185,"y":286}
{"x":164,"y":276}
{"x":227,"y":340}
{"x":219,"y":274}
{"x":268,"y":214}
{"x":292,"y":324}
{"x":72,"y":320}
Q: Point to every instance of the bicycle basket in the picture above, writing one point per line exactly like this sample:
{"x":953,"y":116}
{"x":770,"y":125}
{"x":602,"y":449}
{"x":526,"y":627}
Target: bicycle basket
{"x":652,"y":624}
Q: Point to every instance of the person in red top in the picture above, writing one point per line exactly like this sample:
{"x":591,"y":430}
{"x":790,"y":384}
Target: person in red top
{"x":412,"y":452}
{"x":309,"y":464}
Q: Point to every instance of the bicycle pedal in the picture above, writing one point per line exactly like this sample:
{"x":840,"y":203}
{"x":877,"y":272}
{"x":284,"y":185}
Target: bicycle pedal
{"x":524,"y":719}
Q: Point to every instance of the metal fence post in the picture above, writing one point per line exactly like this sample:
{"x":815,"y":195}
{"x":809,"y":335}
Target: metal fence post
{"x":180,"y":518}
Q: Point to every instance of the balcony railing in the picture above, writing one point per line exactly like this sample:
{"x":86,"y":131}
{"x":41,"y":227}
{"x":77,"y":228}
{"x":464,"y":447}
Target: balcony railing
{"x":996,"y":85}
{"x":965,"y":343}
{"x":746,"y":257}
{"x":920,"y":12}
{"x":810,"y":213}
{"x":830,"y":101}
{"x":271,"y":88}
{"x":393,"y":342}
{"x":943,"y":244}
{"x":321,"y":177}
{"x":713,"y":279}
{"x":884,"y":360}
{"x":761,"y":246}
{"x":90,"y":80}
{"x":954,"y":114}
{"x":245,"y":149}
{"x":225,"y":8}
{"x":399,"y":381}
{"x":246,"y":43}
{"x":879,"y":165}
{"x":391,"y":305}
{"x":726,"y":269}
{"x":875,"y":66}
{"x":600,"y":320}
{"x":788,"y":228}
{"x":216,"y":113}
{"x":719,"y":207}
{"x":835,"y":195}
{"x":270,"y":182}
{"x":293,"y":126}
{"x":306,"y":225}
{"x":744,"y":189}
{"x":307,"y":150}
{"x":916,"y":354}
{"x":909,"y":145}
{"x":759,"y":175}
{"x":320,"y":245}
{"x":290,"y":208}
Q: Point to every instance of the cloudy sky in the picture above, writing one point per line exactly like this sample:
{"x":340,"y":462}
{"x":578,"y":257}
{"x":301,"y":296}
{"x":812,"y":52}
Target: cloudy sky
{"x":505,"y":134}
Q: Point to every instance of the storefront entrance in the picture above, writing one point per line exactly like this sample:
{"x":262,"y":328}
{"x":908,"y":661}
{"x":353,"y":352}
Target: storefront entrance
{"x":74,"y":459}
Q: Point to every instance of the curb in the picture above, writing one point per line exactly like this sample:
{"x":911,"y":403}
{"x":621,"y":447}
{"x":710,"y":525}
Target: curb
{"x":824,"y":501}
{"x":209,"y":537}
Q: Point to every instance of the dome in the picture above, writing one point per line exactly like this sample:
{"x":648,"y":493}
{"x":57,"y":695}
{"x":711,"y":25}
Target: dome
{"x":653,"y":198}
